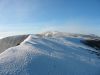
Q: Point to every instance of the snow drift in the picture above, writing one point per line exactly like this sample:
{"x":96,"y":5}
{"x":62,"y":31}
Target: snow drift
{"x":50,"y":53}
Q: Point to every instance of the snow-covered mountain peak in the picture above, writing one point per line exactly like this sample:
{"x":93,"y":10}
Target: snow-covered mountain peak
{"x":49,"y":53}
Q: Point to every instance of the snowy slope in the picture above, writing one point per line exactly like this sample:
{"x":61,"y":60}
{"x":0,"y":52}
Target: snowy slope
{"x":11,"y":41}
{"x":50,"y":53}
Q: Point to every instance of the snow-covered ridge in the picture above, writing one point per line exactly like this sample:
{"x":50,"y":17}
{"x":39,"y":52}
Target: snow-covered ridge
{"x":61,"y":34}
{"x":51,"y":53}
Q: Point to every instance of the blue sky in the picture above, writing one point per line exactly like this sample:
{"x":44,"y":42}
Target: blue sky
{"x":34,"y":16}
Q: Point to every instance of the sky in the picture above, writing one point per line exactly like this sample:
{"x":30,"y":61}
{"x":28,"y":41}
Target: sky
{"x":35,"y":16}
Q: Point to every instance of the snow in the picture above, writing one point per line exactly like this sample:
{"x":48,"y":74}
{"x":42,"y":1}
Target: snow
{"x":11,"y":41}
{"x":49,"y":55}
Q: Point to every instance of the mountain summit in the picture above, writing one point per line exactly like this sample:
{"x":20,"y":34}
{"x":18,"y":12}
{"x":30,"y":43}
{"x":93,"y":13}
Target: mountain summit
{"x":50,"y":53}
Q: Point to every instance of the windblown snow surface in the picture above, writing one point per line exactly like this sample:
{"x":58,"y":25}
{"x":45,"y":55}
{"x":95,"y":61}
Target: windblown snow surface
{"x":50,"y":53}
